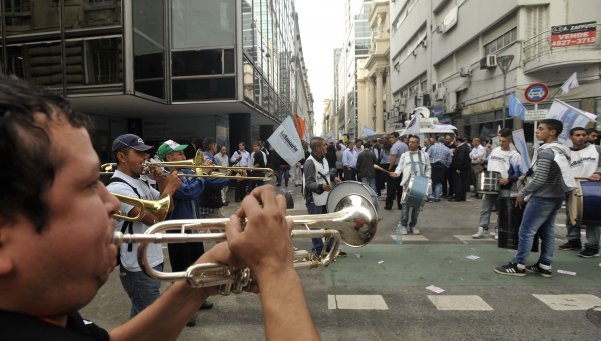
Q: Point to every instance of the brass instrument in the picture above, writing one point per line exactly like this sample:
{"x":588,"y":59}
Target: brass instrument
{"x":159,"y":208}
{"x":197,"y":164}
{"x":354,"y":223}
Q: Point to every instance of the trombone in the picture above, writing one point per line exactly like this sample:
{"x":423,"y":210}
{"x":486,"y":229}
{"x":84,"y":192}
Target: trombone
{"x":197,"y":164}
{"x":354,"y":222}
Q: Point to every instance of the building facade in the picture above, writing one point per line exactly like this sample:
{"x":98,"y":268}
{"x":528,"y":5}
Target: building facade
{"x":445,"y":55}
{"x":163,"y":69}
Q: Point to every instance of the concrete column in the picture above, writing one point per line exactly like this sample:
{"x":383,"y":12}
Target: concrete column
{"x":240,"y":130}
{"x":379,"y":102}
{"x":371,"y":96}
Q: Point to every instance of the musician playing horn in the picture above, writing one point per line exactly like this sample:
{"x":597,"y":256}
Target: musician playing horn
{"x":411,"y":163}
{"x":585,"y":163}
{"x":56,"y":236}
{"x":508,"y":164}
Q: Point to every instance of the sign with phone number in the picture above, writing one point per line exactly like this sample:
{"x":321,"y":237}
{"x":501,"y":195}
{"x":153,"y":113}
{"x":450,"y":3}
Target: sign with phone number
{"x":574,"y":34}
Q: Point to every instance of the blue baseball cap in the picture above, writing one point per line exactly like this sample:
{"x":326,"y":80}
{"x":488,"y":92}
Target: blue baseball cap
{"x":131,"y":141}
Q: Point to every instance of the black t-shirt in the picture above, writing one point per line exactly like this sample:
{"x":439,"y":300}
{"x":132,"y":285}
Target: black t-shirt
{"x":19,"y":327}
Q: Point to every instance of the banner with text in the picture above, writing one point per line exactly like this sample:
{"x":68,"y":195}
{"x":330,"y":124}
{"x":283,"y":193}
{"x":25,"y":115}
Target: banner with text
{"x":286,"y":143}
{"x":574,"y":34}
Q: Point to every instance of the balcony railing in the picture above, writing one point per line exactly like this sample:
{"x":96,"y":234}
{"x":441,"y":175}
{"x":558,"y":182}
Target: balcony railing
{"x":540,"y":45}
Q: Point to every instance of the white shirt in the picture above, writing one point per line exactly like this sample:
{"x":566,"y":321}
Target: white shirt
{"x":500,"y":160}
{"x":584,"y":162}
{"x":129,"y":259}
{"x":477,"y":154}
{"x":222,"y":160}
{"x":404,"y":165}
{"x":244,"y":161}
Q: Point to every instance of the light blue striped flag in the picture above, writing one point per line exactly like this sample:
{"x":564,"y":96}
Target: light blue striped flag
{"x":516,"y":108}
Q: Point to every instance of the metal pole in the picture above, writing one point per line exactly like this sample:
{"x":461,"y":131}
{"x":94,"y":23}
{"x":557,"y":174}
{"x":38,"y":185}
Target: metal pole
{"x":504,"y":97}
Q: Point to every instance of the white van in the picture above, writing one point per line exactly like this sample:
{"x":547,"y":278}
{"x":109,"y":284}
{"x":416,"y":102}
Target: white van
{"x":429,"y":126}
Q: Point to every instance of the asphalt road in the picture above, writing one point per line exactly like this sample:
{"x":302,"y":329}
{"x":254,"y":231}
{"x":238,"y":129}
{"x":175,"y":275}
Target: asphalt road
{"x":379,"y":292}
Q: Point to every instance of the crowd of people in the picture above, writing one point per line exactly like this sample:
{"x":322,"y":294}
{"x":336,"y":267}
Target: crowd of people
{"x":57,"y":230}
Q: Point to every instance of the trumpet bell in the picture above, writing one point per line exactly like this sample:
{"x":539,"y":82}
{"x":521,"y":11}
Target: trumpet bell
{"x":159,"y":208}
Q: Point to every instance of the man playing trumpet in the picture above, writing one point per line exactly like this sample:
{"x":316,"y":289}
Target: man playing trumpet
{"x":130,"y":152}
{"x":56,"y":236}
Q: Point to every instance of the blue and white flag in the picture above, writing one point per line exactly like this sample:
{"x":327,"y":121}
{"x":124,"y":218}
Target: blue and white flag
{"x":570,"y":117}
{"x":330,"y":137}
{"x":413,"y":127}
{"x":570,"y":83}
{"x":519,"y":140}
{"x":367,"y":131}
{"x":516,"y":108}
{"x":286,"y":142}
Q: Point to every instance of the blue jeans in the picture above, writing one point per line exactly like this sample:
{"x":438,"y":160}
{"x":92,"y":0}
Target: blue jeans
{"x":285,"y":172}
{"x":371,"y":182}
{"x":488,"y":202}
{"x":141,"y":289}
{"x":405,"y":216}
{"x":437,"y":190}
{"x":593,"y":232}
{"x":318,"y":242}
{"x":539,"y":216}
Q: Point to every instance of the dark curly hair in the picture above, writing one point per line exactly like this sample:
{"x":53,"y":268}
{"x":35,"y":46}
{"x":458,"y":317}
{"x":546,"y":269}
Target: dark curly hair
{"x":29,"y":160}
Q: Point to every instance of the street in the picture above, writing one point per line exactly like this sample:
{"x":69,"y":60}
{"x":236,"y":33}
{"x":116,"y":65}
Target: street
{"x":379,"y":292}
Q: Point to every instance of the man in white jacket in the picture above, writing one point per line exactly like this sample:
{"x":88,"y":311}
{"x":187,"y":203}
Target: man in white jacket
{"x":412,"y":163}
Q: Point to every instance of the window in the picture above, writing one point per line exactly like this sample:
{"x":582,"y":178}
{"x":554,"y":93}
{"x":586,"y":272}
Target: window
{"x":501,"y":42}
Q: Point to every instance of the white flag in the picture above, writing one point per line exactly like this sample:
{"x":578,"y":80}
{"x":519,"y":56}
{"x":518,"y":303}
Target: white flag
{"x":519,"y":140}
{"x":570,"y":84}
{"x":570,"y":117}
{"x":286,"y":143}
{"x":414,"y":127}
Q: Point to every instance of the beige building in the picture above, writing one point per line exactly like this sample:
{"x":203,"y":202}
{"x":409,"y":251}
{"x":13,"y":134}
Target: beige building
{"x":373,"y":79}
{"x":447,"y":54}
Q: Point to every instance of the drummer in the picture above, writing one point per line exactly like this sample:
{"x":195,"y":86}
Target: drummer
{"x":508,"y":164}
{"x":585,"y":163}
{"x":411,"y":164}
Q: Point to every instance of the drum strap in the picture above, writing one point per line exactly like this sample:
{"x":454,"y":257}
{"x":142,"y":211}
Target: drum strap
{"x":420,"y":165}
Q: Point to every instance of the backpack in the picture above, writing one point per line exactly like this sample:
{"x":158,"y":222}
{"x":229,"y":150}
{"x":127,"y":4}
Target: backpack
{"x":127,"y":225}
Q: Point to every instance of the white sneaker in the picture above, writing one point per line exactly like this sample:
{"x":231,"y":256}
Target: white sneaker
{"x":404,"y":230}
{"x":480,"y":234}
{"x":415,"y":230}
{"x":493,"y":234}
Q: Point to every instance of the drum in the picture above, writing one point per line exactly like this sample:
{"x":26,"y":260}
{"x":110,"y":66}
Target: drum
{"x":350,"y":187}
{"x":416,"y":192}
{"x":508,"y":224}
{"x":584,"y":203}
{"x":488,"y":182}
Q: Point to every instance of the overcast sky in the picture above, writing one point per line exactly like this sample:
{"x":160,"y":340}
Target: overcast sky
{"x":321,"y":24}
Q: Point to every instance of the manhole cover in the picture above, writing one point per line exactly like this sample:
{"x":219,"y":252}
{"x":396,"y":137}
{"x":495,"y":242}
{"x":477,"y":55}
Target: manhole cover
{"x":594,"y":315}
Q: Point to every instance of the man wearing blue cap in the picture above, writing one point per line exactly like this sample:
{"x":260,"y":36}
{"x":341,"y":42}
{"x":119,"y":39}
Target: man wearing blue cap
{"x":186,"y":205}
{"x":131,"y":152}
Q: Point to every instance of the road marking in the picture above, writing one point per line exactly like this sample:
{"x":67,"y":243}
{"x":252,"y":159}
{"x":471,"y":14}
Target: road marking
{"x":569,"y":302}
{"x":459,"y":302}
{"x":411,"y":238}
{"x":357,"y":302}
{"x":468,"y":238}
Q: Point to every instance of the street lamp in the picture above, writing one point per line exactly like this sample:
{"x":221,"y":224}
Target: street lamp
{"x":504,"y":62}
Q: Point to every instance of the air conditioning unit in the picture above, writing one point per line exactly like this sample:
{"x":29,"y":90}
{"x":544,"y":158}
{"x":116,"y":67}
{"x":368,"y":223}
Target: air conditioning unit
{"x":465,"y":72}
{"x":440,"y":93}
{"x":488,"y":62}
{"x":436,"y":86}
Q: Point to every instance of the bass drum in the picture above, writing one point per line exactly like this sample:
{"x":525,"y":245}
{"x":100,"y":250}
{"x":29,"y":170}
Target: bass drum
{"x":488,"y":182}
{"x":584,"y":203}
{"x":416,"y":191}
{"x":345,"y":188}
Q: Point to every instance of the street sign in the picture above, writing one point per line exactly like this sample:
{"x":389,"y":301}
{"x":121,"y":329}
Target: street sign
{"x":536,"y":92}
{"x":535,"y":115}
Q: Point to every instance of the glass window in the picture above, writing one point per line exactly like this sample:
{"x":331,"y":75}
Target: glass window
{"x":94,"y":62}
{"x":204,"y":62}
{"x":38,"y":63}
{"x":204,"y":89}
{"x":248,"y":80}
{"x":229,"y":61}
{"x":25,"y":16}
{"x":92,"y":13}
{"x":203,"y":23}
{"x":149,"y":49}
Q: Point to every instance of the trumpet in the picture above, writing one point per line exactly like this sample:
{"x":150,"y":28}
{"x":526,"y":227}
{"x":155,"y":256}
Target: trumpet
{"x":159,"y":208}
{"x":354,"y":222}
{"x":198,"y":165}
